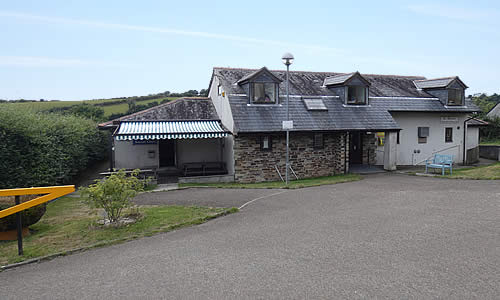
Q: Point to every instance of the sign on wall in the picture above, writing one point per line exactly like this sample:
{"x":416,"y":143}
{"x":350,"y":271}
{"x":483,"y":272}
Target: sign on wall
{"x":144,"y":142}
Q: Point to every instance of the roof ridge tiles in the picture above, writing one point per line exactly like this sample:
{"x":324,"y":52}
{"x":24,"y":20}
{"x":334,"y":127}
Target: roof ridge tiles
{"x":323,"y":72}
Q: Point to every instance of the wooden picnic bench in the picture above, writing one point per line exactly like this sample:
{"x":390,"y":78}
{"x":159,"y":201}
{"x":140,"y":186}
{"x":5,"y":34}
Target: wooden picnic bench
{"x":440,"y":161}
{"x":204,"y":168}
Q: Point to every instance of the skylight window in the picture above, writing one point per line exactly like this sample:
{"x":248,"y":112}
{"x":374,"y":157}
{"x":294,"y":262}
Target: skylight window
{"x":315,"y":104}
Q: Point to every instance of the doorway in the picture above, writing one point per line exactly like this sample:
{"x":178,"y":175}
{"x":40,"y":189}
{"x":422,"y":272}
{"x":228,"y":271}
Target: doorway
{"x":355,"y":148}
{"x":167,"y":153}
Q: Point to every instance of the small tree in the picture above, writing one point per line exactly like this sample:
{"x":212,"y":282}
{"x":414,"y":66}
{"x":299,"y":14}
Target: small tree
{"x":113,"y":193}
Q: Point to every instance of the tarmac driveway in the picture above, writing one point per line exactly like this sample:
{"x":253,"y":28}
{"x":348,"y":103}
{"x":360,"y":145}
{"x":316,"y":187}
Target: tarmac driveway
{"x":388,"y":236}
{"x":212,"y":197}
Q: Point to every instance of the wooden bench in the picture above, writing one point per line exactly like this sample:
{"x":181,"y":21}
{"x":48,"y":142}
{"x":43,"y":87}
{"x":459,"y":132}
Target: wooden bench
{"x":204,"y":168}
{"x":440,"y":161}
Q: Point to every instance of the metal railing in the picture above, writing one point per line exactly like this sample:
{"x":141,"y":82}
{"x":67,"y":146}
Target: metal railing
{"x":49,"y":193}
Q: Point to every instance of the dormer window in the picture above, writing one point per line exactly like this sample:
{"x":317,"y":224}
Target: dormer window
{"x":455,"y":97}
{"x":263,"y":93}
{"x":262,"y":86}
{"x":352,"y":88}
{"x":356,"y":95}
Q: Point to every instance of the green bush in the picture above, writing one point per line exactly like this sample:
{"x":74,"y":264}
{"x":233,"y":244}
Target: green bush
{"x":113,"y":193}
{"x":492,"y":131}
{"x":43,"y":149}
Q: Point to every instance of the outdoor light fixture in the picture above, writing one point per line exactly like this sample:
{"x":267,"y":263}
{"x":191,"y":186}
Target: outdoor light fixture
{"x":287,"y":59}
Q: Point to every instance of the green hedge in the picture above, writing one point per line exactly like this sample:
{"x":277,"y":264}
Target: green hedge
{"x":42,"y":149}
{"x":492,"y":131}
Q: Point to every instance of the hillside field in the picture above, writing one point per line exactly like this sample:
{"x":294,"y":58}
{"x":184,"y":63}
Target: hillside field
{"x":108,"y":109}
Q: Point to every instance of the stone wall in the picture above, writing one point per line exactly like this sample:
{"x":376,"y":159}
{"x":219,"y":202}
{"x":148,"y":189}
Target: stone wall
{"x":369,"y":149}
{"x":255,"y":165}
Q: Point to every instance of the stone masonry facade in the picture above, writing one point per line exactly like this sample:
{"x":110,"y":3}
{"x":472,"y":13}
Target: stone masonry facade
{"x":369,"y":149}
{"x":255,"y":165}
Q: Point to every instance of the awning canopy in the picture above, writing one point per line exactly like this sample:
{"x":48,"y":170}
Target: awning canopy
{"x":158,"y":130}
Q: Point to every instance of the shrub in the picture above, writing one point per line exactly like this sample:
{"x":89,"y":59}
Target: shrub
{"x":41,"y":149}
{"x":113,"y":193}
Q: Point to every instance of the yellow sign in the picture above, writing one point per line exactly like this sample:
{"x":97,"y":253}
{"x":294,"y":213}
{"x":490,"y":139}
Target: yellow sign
{"x":52,"y":192}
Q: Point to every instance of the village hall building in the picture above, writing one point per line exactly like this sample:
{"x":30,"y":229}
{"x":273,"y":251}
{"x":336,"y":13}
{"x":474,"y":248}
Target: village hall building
{"x":340,"y":120}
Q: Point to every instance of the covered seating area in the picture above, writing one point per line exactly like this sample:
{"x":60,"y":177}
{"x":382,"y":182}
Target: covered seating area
{"x":172,"y":148}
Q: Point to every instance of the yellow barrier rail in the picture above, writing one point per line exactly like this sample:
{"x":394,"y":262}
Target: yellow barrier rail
{"x":52,"y":192}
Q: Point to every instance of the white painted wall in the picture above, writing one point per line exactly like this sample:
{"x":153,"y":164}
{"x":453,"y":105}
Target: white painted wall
{"x":410,"y":121}
{"x":472,"y":137}
{"x":130,"y":156}
{"x":221,"y":104}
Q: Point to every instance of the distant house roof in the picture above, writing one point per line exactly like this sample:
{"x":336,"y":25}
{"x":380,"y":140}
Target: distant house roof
{"x":476,"y":122}
{"x":386,"y":93}
{"x":494,"y":112}
{"x":187,"y":108}
{"x":438,"y":82}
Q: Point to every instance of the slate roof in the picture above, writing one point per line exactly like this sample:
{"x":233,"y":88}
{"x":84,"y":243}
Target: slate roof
{"x":476,"y":122}
{"x":337,"y":79}
{"x":187,"y":108}
{"x":436,"y":82}
{"x":387,"y":93}
{"x":268,"y":118}
{"x":421,"y":105}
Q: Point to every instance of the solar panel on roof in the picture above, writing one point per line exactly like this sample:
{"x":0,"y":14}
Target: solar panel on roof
{"x":315,"y":104}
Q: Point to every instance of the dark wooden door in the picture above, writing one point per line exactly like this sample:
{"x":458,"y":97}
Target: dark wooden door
{"x":167,"y":153}
{"x":356,"y":148}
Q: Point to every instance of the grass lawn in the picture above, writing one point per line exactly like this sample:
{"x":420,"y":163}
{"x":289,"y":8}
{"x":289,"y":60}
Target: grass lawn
{"x":485,"y":172}
{"x":295,"y":184}
{"x":490,"y":143}
{"x":69,"y":224}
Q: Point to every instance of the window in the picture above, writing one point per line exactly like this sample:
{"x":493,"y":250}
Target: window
{"x":219,"y":90}
{"x":397,"y":138}
{"x":266,"y":143}
{"x":455,"y":97}
{"x":264,"y":93}
{"x":356,"y":95}
{"x":448,"y":135}
{"x":318,"y":141}
{"x":423,"y":133}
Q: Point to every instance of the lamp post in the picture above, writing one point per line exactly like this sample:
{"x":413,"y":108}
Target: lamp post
{"x":287,"y":59}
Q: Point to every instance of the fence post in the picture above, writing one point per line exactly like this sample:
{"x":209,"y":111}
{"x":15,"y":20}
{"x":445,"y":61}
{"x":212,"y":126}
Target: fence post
{"x":19,"y":229}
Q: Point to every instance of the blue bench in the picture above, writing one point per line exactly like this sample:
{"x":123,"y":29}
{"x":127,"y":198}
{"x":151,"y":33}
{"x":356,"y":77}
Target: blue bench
{"x":440,"y":161}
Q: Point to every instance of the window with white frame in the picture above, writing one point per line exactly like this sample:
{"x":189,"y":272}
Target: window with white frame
{"x":266,"y":143}
{"x":263,"y":92}
{"x":357,"y":95}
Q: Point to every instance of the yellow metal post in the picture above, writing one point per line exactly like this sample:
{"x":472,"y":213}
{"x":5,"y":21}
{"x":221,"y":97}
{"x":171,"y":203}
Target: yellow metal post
{"x":49,"y":193}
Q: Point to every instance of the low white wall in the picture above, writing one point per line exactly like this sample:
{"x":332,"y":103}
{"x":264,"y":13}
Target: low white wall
{"x":408,"y":136}
{"x":472,"y":137}
{"x":130,"y":156}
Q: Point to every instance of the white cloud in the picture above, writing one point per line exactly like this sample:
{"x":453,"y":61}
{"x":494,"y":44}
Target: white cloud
{"x":453,"y":12}
{"x":162,"y":30}
{"x":33,"y":61}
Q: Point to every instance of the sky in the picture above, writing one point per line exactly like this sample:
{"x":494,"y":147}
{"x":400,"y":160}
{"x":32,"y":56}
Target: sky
{"x":74,"y":50}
